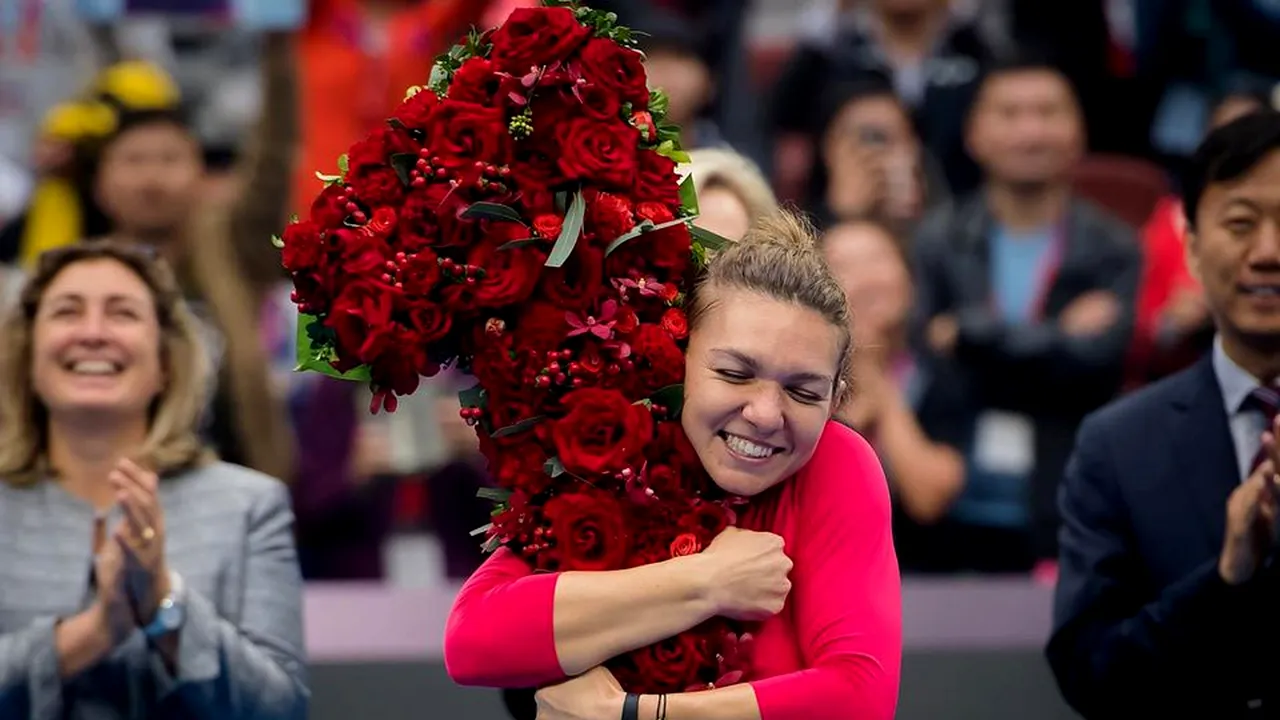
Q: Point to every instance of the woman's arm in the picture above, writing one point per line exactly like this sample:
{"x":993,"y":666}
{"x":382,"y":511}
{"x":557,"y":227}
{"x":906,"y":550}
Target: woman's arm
{"x":512,"y":628}
{"x":253,"y":668}
{"x":928,"y":475}
{"x":35,"y":659}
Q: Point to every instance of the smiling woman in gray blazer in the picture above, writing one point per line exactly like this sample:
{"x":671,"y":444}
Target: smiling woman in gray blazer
{"x":140,"y":578}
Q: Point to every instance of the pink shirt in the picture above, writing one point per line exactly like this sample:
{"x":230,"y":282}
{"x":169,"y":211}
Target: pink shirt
{"x":836,"y":644}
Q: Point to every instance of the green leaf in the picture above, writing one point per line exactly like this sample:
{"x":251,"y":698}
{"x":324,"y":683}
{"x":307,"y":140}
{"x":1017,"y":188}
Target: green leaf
{"x":523,"y":242}
{"x":562,"y":201}
{"x":658,"y":103}
{"x":439,"y":79}
{"x":403,"y":164}
{"x":315,"y":351}
{"x":569,"y":232}
{"x":553,"y":467}
{"x":643,"y":228}
{"x":670,"y":397}
{"x":328,"y":179}
{"x":491,"y":211}
{"x":491,"y":545}
{"x":343,"y":164}
{"x":482,"y":529}
{"x":519,"y":427}
{"x":670,"y":150}
{"x":689,"y":195}
{"x":277,"y":241}
{"x":474,"y":396}
{"x":293,"y":218}
{"x":707,"y":239}
{"x":494,"y":494}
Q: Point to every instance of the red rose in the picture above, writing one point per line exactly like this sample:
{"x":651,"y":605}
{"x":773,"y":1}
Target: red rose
{"x":419,"y":273}
{"x":662,"y":358}
{"x":429,"y":321}
{"x":536,"y":36}
{"x":671,"y":665}
{"x":415,"y":112}
{"x":666,"y":254}
{"x":603,"y":432}
{"x":361,"y":254}
{"x":578,"y":283}
{"x":608,"y":216}
{"x":361,"y":317}
{"x":541,"y":326}
{"x":685,"y":544}
{"x":370,"y":175}
{"x":588,"y":530}
{"x":475,"y":82}
{"x":598,"y":152}
{"x":401,"y":370}
{"x":706,"y":520}
{"x":519,"y":465}
{"x":656,"y":213}
{"x":548,"y":225}
{"x":506,"y":276}
{"x":329,"y":209}
{"x":304,"y":248}
{"x":463,"y":133}
{"x":617,"y":69}
{"x":675,"y":323}
{"x":599,"y":102}
{"x":656,"y":179}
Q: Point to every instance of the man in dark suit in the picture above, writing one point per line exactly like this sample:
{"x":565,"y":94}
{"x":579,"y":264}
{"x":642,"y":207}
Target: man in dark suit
{"x":1167,"y":603}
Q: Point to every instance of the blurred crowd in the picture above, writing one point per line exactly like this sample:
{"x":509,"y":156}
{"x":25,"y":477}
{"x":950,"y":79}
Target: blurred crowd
{"x":950,"y":151}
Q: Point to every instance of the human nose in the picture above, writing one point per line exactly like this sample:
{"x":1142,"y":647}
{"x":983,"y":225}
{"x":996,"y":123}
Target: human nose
{"x":764,"y":408}
{"x":91,"y":328}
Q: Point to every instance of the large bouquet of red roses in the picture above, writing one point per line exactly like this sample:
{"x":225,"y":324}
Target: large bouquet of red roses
{"x":521,"y":218}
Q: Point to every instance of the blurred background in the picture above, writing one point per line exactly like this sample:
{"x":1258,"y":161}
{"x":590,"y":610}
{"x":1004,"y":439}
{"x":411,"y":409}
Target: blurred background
{"x":861,"y":112}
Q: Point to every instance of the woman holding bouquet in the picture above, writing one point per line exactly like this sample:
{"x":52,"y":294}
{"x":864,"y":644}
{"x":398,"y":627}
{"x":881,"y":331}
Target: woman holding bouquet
{"x":812,"y":559}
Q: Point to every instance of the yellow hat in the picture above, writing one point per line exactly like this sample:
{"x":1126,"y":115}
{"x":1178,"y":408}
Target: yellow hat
{"x":138,"y":85}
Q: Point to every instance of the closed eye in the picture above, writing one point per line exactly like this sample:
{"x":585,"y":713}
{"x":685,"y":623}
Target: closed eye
{"x":734,"y":376}
{"x":806,"y":396}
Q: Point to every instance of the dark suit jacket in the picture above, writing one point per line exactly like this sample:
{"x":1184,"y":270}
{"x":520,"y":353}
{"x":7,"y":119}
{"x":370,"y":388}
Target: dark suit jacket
{"x":1036,"y":370}
{"x":1143,"y":624}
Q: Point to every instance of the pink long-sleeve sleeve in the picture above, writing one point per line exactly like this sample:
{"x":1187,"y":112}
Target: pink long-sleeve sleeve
{"x":501,"y":631}
{"x":846,"y":590}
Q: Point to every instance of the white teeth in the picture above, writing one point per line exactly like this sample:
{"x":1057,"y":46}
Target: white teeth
{"x":94,"y":367}
{"x":743,"y":446}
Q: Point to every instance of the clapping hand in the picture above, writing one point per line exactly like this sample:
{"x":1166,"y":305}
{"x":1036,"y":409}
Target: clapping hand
{"x":141,"y":536}
{"x":1252,"y":511}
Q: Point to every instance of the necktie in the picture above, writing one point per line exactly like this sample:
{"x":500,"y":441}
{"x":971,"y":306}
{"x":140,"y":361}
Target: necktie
{"x":1267,"y":401}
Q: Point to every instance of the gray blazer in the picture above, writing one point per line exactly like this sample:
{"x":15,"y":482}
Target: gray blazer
{"x":230,"y":537}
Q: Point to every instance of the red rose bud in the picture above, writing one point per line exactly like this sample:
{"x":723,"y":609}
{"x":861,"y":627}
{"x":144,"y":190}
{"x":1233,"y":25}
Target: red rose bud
{"x":685,"y":544}
{"x":656,"y":213}
{"x":643,"y":121}
{"x":675,"y":323}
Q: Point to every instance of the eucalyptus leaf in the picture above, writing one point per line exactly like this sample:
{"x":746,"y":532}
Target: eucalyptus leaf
{"x":494,"y":494}
{"x":519,"y":427}
{"x":491,"y":211}
{"x":707,"y":239}
{"x":474,"y":396}
{"x":689,"y":195}
{"x":277,"y":241}
{"x":643,"y":228}
{"x":670,"y":397}
{"x":553,"y":467}
{"x":482,"y":529}
{"x":344,"y":164}
{"x":570,"y":230}
{"x":403,"y":164}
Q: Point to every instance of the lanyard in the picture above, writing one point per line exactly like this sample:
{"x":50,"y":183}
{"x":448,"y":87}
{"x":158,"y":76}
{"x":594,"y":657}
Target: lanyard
{"x":1046,"y":273}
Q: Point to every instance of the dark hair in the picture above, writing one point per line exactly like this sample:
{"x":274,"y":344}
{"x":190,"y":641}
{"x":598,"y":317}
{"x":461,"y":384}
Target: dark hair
{"x":1021,"y":61}
{"x":866,"y":85}
{"x":1227,"y":154}
{"x":666,"y":33}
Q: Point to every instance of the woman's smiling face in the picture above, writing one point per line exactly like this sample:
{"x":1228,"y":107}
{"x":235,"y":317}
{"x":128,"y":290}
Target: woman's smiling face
{"x":760,"y":378}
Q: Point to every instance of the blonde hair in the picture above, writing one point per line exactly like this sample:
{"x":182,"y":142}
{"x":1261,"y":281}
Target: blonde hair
{"x":172,"y":441}
{"x":717,"y":168}
{"x":780,"y":258}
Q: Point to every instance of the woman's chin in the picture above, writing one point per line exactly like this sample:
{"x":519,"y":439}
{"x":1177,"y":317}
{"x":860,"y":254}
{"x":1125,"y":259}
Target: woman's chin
{"x":744,"y":484}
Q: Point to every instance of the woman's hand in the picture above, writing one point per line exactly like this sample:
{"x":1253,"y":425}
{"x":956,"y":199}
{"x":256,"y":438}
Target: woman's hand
{"x":111,"y":613}
{"x":141,"y":536}
{"x":593,"y":695}
{"x":747,"y":574}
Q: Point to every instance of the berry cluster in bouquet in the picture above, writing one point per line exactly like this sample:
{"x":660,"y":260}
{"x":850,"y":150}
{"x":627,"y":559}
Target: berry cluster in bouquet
{"x":521,"y":218}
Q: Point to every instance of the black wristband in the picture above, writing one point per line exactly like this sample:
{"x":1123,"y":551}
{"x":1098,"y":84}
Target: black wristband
{"x":631,"y":707}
